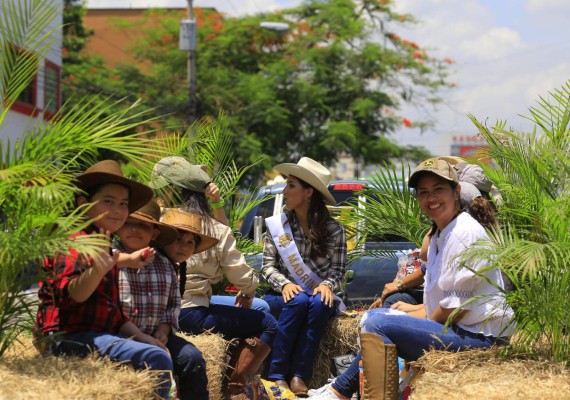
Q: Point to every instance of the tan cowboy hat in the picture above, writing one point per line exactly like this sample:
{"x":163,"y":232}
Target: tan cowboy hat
{"x":188,"y":222}
{"x":109,"y":171}
{"x":311,"y":172}
{"x":151,"y":213}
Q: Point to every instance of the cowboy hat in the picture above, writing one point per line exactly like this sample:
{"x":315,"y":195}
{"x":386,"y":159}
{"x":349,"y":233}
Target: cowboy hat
{"x":150,"y":213}
{"x":188,"y":222}
{"x":109,"y":171}
{"x":311,"y":172}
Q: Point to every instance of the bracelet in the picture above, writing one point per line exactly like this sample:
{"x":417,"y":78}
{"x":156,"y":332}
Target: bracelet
{"x":245,"y":296}
{"x":218,"y":204}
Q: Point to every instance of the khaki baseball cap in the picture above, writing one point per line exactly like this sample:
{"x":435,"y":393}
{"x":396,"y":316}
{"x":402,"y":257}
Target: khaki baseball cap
{"x":175,"y":170}
{"x":435,"y":166}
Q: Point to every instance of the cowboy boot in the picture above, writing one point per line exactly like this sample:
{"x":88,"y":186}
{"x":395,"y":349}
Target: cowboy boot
{"x":380,"y":368}
{"x":246,"y":360}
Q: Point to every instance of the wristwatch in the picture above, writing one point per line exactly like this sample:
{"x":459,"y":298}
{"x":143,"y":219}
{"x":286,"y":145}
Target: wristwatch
{"x":400,"y":284}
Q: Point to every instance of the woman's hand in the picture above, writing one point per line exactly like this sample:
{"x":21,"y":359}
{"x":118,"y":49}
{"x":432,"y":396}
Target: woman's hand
{"x":243,"y":301}
{"x":377,"y":303}
{"x":213,"y":192}
{"x":389,"y":288}
{"x":406,"y":307}
{"x":327,"y":295}
{"x":290,"y":290}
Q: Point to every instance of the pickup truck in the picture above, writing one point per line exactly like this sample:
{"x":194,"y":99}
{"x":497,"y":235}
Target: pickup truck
{"x":366,"y":275}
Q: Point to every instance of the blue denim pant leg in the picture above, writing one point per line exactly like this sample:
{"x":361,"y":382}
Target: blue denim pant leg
{"x":412,"y":296}
{"x":189,"y":368}
{"x":120,"y":349}
{"x":347,"y":383}
{"x":412,"y":336}
{"x":309,"y":338}
{"x":231,"y":322}
{"x":257,"y":304}
{"x":301,"y":325}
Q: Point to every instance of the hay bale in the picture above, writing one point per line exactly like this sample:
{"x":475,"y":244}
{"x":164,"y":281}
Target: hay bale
{"x":215,"y":351}
{"x":341,"y":337}
{"x":26,"y":375}
{"x":486,"y":374}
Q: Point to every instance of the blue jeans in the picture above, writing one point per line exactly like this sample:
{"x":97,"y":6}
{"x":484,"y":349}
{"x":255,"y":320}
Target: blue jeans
{"x":412,"y":336}
{"x":411,"y":296}
{"x":257,"y":304}
{"x":301,"y":326}
{"x":189,"y":369}
{"x":120,"y":349}
{"x":232,"y":322}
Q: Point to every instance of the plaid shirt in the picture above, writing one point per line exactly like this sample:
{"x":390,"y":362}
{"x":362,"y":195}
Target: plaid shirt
{"x":58,"y":312}
{"x":150,"y":295}
{"x":329,"y":268}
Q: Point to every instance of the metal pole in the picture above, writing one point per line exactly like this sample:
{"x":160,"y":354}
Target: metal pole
{"x":191,"y":74}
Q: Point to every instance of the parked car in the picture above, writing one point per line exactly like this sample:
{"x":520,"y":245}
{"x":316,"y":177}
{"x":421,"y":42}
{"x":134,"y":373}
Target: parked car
{"x":365,"y":276}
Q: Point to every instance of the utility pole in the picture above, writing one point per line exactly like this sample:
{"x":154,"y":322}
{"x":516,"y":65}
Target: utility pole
{"x":187,"y":43}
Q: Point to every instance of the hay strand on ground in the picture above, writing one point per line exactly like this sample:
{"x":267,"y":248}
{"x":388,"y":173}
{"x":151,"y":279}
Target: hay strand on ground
{"x":486,"y":374}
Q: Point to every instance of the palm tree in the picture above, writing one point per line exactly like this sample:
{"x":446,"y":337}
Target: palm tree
{"x":37,"y":171}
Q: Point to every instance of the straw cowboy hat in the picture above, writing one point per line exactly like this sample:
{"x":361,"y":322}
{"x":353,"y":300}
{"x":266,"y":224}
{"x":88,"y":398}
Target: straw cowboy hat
{"x":310,"y":171}
{"x":188,"y":222}
{"x":150,"y":213}
{"x":109,"y":171}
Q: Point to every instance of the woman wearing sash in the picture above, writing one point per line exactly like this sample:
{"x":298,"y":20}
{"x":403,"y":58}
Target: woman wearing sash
{"x":188,"y":185}
{"x":304,"y":259}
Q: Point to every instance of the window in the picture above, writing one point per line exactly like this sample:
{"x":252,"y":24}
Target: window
{"x":27,"y":100}
{"x":52,"y":92}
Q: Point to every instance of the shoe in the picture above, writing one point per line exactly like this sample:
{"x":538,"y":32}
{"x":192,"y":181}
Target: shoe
{"x":314,"y":392}
{"x":325,"y":394}
{"x":298,"y":387}
{"x":282,"y":383}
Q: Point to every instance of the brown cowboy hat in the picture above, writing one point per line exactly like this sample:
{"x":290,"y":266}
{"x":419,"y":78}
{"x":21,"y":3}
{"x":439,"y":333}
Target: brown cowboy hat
{"x":188,"y":222}
{"x":151,"y":213}
{"x":109,"y":171}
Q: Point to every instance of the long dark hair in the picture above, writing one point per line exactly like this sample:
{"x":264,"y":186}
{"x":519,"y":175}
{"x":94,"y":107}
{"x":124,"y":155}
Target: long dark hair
{"x":317,"y":217}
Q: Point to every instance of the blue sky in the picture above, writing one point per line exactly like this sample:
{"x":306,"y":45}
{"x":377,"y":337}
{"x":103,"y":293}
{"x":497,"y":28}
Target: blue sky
{"x":507,"y":53}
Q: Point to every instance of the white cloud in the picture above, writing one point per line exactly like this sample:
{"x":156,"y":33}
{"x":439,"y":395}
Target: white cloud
{"x":492,"y":44}
{"x":546,"y":5}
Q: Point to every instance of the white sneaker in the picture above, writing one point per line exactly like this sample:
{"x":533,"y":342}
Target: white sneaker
{"x":324,"y":393}
{"x":313,"y":392}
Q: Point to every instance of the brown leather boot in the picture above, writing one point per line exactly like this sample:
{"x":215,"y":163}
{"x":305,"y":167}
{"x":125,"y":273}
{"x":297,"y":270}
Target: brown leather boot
{"x":246,"y":360}
{"x":380,"y":368}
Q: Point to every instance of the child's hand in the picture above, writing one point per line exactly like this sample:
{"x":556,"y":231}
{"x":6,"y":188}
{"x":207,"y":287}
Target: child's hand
{"x":152,"y":340}
{"x":213,"y":192}
{"x":141,"y":258}
{"x":103,"y":261}
{"x":161,"y":336}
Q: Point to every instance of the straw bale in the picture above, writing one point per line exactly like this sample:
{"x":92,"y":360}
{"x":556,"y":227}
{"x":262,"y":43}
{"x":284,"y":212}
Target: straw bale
{"x":486,"y":374}
{"x":215,"y":351}
{"x":341,"y":338}
{"x":24,"y":374}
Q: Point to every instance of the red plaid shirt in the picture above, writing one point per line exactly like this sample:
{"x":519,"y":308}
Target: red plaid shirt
{"x":58,"y":312}
{"x":150,"y":295}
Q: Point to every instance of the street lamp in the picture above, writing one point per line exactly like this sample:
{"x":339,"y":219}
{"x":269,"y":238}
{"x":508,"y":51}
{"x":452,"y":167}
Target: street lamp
{"x":187,"y":42}
{"x":279,"y":27}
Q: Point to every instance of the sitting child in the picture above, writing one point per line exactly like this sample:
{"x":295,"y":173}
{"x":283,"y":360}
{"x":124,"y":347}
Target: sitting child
{"x":79,"y":309}
{"x":150,"y":296}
